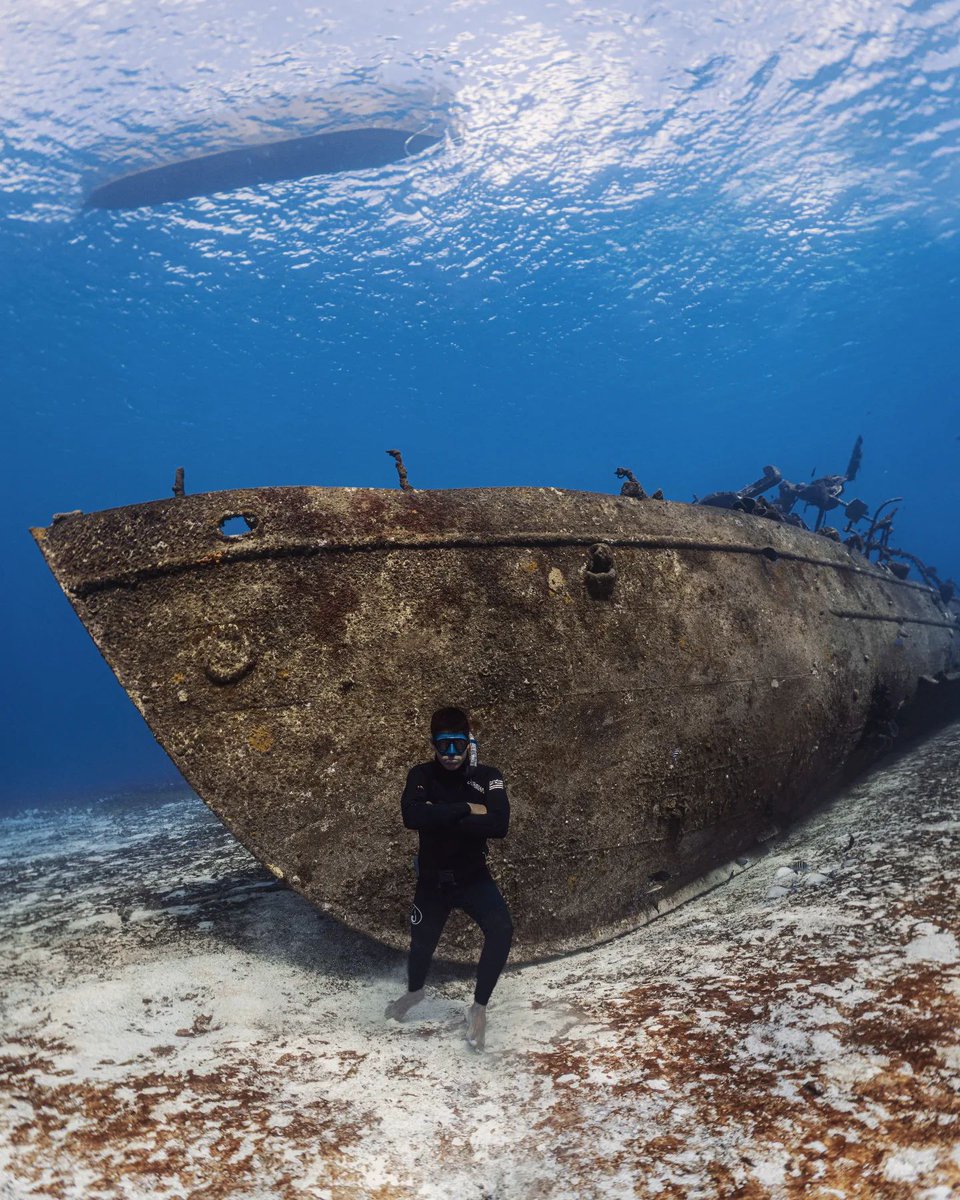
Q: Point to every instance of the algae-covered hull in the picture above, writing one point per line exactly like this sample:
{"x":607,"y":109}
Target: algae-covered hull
{"x":658,"y":682}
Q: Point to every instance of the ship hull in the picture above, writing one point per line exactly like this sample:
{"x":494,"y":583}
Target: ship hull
{"x":654,"y":711}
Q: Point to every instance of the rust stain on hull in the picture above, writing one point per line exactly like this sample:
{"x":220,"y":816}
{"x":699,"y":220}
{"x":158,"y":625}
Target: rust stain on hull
{"x":658,"y":682}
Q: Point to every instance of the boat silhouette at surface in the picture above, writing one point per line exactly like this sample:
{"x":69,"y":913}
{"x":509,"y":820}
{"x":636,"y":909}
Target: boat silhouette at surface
{"x":660,"y":683}
{"x":329,"y":153}
{"x":322,"y":132}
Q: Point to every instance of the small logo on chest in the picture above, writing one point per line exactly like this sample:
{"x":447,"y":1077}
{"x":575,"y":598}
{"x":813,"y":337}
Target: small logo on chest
{"x":473,"y":783}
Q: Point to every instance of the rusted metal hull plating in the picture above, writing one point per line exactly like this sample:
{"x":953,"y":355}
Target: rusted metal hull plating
{"x":658,"y":682}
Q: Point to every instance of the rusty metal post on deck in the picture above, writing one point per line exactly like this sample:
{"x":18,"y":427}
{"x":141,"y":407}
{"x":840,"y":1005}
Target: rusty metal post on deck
{"x":401,"y":470}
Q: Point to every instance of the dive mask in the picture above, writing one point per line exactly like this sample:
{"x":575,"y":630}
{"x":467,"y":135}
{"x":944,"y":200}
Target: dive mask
{"x":449,"y":745}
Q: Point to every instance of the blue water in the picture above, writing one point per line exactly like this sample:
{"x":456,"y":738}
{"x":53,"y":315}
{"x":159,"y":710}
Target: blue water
{"x":689,"y":239}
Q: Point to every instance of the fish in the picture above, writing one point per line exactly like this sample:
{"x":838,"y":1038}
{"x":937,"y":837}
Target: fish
{"x":661,"y":684}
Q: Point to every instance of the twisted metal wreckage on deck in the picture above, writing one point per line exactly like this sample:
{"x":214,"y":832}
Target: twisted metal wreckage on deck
{"x":661,"y":683}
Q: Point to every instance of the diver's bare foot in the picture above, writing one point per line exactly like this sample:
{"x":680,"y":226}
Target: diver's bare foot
{"x":397,"y":1009}
{"x":476,"y":1025}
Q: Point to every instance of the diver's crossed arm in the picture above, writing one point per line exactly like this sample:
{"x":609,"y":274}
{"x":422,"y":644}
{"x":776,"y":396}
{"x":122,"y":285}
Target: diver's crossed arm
{"x":492,"y":818}
{"x":419,"y":813}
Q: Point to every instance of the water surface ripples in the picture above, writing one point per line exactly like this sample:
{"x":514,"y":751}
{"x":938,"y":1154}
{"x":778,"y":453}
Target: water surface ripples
{"x":749,"y":188}
{"x":576,"y":132}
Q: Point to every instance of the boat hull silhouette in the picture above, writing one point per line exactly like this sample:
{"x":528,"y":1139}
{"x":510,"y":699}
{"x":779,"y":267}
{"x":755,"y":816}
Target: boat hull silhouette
{"x":660,"y":683}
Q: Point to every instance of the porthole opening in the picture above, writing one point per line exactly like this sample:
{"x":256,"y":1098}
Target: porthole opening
{"x":237,"y":525}
{"x":601,"y":574}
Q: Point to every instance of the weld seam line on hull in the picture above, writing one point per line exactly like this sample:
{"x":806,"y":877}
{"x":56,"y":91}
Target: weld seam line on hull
{"x":733,"y":766}
{"x":721,"y":823}
{"x":527,"y":859}
{"x":728,"y":766}
{"x":319,"y":698}
{"x":223,"y":711}
{"x":532,"y":541}
{"x":865,"y":616}
{"x":691,"y":685}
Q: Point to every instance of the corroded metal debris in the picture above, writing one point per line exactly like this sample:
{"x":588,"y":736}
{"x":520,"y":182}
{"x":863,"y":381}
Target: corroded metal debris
{"x":659,"y":683}
{"x":401,"y":470}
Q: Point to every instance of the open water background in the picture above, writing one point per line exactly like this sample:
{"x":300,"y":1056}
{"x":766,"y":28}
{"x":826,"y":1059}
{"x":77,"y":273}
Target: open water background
{"x":690,"y":239}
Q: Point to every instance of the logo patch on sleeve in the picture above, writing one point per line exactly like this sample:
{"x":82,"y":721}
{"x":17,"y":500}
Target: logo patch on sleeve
{"x":494,"y":784}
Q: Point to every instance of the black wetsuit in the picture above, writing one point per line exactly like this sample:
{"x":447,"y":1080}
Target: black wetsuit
{"x":452,"y":864}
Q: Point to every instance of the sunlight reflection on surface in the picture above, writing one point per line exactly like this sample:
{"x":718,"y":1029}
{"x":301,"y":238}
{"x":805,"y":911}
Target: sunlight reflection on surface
{"x":684,"y":156}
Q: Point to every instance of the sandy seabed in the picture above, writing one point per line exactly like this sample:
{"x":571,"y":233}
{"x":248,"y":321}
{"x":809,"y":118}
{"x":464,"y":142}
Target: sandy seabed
{"x":176,"y":1023}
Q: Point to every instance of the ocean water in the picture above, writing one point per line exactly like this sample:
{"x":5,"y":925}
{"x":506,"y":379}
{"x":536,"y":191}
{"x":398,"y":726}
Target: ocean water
{"x":690,"y":239}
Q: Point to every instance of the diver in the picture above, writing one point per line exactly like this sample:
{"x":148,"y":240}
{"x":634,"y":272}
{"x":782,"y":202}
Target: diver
{"x":455,"y":806}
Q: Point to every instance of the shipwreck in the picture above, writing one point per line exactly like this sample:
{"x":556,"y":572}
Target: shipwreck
{"x":661,"y":683}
